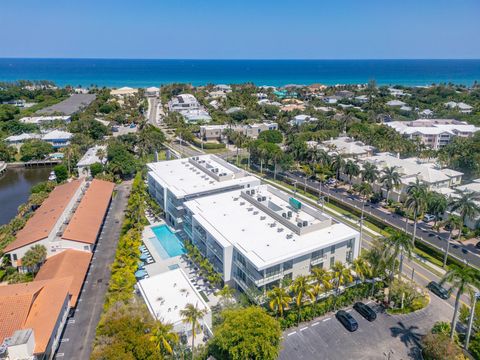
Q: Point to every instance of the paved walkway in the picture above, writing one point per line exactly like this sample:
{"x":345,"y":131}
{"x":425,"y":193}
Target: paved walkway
{"x":79,"y":333}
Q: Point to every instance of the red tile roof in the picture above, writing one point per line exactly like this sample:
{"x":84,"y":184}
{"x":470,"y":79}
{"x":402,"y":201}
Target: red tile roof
{"x":36,"y":305}
{"x":87,"y":220}
{"x":69,"y":263}
{"x":41,"y":224}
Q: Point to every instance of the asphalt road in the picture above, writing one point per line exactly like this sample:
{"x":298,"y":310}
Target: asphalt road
{"x":152,"y":105}
{"x":438,"y":240}
{"x":398,"y":335}
{"x":79,"y":333}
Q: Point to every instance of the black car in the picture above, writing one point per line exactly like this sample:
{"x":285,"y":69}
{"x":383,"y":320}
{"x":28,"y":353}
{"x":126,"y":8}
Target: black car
{"x":347,"y":320}
{"x":438,"y":290}
{"x":365,"y":310}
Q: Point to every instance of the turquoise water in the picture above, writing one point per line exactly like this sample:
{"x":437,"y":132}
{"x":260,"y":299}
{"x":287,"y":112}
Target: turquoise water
{"x":143,"y":73}
{"x":167,"y":242}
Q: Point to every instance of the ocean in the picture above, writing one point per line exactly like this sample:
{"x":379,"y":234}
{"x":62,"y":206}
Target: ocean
{"x":143,"y":73}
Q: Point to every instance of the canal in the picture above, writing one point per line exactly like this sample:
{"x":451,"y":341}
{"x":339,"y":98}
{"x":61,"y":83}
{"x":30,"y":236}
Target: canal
{"x":15,"y":186}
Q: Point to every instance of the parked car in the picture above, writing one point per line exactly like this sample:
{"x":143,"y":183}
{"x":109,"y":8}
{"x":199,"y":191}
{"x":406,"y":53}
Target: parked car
{"x":365,"y":310}
{"x":428,"y":217}
{"x":347,"y":320}
{"x":438,"y":290}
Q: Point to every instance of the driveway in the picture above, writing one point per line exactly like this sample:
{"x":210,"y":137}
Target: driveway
{"x":79,"y":333}
{"x":326,"y":338}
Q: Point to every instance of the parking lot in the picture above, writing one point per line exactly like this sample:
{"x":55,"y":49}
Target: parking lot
{"x":392,"y":337}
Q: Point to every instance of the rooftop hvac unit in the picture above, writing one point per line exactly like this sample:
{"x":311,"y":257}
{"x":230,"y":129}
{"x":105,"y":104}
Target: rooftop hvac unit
{"x":235,"y":199}
{"x":263,"y":217}
{"x":279,"y":229}
{"x":299,"y":224}
{"x":259,"y":198}
{"x":284,"y":215}
{"x":305,"y":223}
{"x":264,"y":198}
{"x":253,"y":192}
{"x":289,"y":236}
{"x":255,"y":213}
{"x":289,"y":214}
{"x":242,"y":203}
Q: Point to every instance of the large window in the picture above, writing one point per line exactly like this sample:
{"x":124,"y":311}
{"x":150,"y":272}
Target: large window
{"x":317,"y":254}
{"x":332,"y":249}
{"x":287,"y":265}
{"x":332,"y":261}
{"x":271,"y":271}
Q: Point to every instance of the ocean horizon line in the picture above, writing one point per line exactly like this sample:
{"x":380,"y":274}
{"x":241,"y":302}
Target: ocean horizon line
{"x":238,"y":59}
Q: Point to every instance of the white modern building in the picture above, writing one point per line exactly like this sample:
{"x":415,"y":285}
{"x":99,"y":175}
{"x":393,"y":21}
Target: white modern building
{"x":434,"y":133}
{"x":189,"y":107}
{"x":39,"y":120}
{"x":173,"y":182}
{"x":302,"y":119}
{"x":255,"y":237}
{"x":167,"y":293}
{"x":217,"y":132}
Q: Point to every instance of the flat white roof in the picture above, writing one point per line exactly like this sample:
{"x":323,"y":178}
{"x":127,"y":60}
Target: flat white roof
{"x":259,"y":236}
{"x":57,"y":135}
{"x":432,"y":126}
{"x":168,"y":293}
{"x":185,"y":177}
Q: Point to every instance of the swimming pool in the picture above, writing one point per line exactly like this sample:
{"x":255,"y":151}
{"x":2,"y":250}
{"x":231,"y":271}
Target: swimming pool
{"x":167,"y":242}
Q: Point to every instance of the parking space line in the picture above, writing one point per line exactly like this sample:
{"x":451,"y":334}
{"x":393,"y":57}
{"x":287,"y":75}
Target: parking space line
{"x":326,"y":319}
{"x":305,"y":328}
{"x":292,"y":333}
{"x":60,"y":355}
{"x":315,"y":324}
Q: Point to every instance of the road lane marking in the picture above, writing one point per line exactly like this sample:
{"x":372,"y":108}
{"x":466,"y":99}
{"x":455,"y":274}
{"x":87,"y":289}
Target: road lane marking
{"x":326,"y":319}
{"x":292,"y":333}
{"x":305,"y":328}
{"x":315,"y":324}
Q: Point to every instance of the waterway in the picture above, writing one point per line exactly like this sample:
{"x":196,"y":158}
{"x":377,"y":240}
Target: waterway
{"x":15,"y":186}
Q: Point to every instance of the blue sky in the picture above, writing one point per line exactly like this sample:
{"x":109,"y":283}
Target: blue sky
{"x":242,"y":29}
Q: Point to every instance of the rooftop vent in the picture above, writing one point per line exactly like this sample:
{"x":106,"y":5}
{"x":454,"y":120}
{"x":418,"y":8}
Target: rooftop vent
{"x":279,"y":230}
{"x":263,"y":217}
{"x":242,"y":203}
{"x":305,"y":223}
{"x":235,"y":199}
{"x":289,"y":236}
{"x":255,"y":213}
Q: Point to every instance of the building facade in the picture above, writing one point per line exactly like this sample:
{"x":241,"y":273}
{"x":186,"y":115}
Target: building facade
{"x":256,"y":237}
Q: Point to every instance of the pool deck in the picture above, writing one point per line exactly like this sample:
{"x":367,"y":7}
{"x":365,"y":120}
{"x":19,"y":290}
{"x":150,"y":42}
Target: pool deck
{"x":162,"y":265}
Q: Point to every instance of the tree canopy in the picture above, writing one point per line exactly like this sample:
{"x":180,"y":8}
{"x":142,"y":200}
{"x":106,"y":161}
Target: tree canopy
{"x":248,"y":333}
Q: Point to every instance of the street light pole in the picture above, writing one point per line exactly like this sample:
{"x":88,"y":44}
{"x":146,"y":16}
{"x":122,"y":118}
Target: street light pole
{"x":470,"y":320}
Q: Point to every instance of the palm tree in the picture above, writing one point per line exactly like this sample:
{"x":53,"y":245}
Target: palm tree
{"x":226,"y":295}
{"x":35,"y":256}
{"x":466,"y":204}
{"x":279,"y":299}
{"x":397,"y":244}
{"x":338,"y":164}
{"x":461,"y":279}
{"x":341,"y":276}
{"x":322,"y":277}
{"x":436,"y":204}
{"x":390,"y":179}
{"x":365,"y":190}
{"x":369,"y":172}
{"x":301,"y":288}
{"x":362,"y":268}
{"x":416,"y":201}
{"x":164,"y":338}
{"x":453,"y":222}
{"x":351,"y":169}
{"x":192,"y":315}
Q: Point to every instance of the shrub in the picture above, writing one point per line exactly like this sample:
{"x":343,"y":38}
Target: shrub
{"x":439,"y":347}
{"x":208,"y":145}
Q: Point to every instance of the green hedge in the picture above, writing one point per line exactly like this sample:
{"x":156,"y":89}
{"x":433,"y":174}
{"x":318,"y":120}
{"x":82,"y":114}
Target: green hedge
{"x":311,"y":311}
{"x":207,"y":145}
